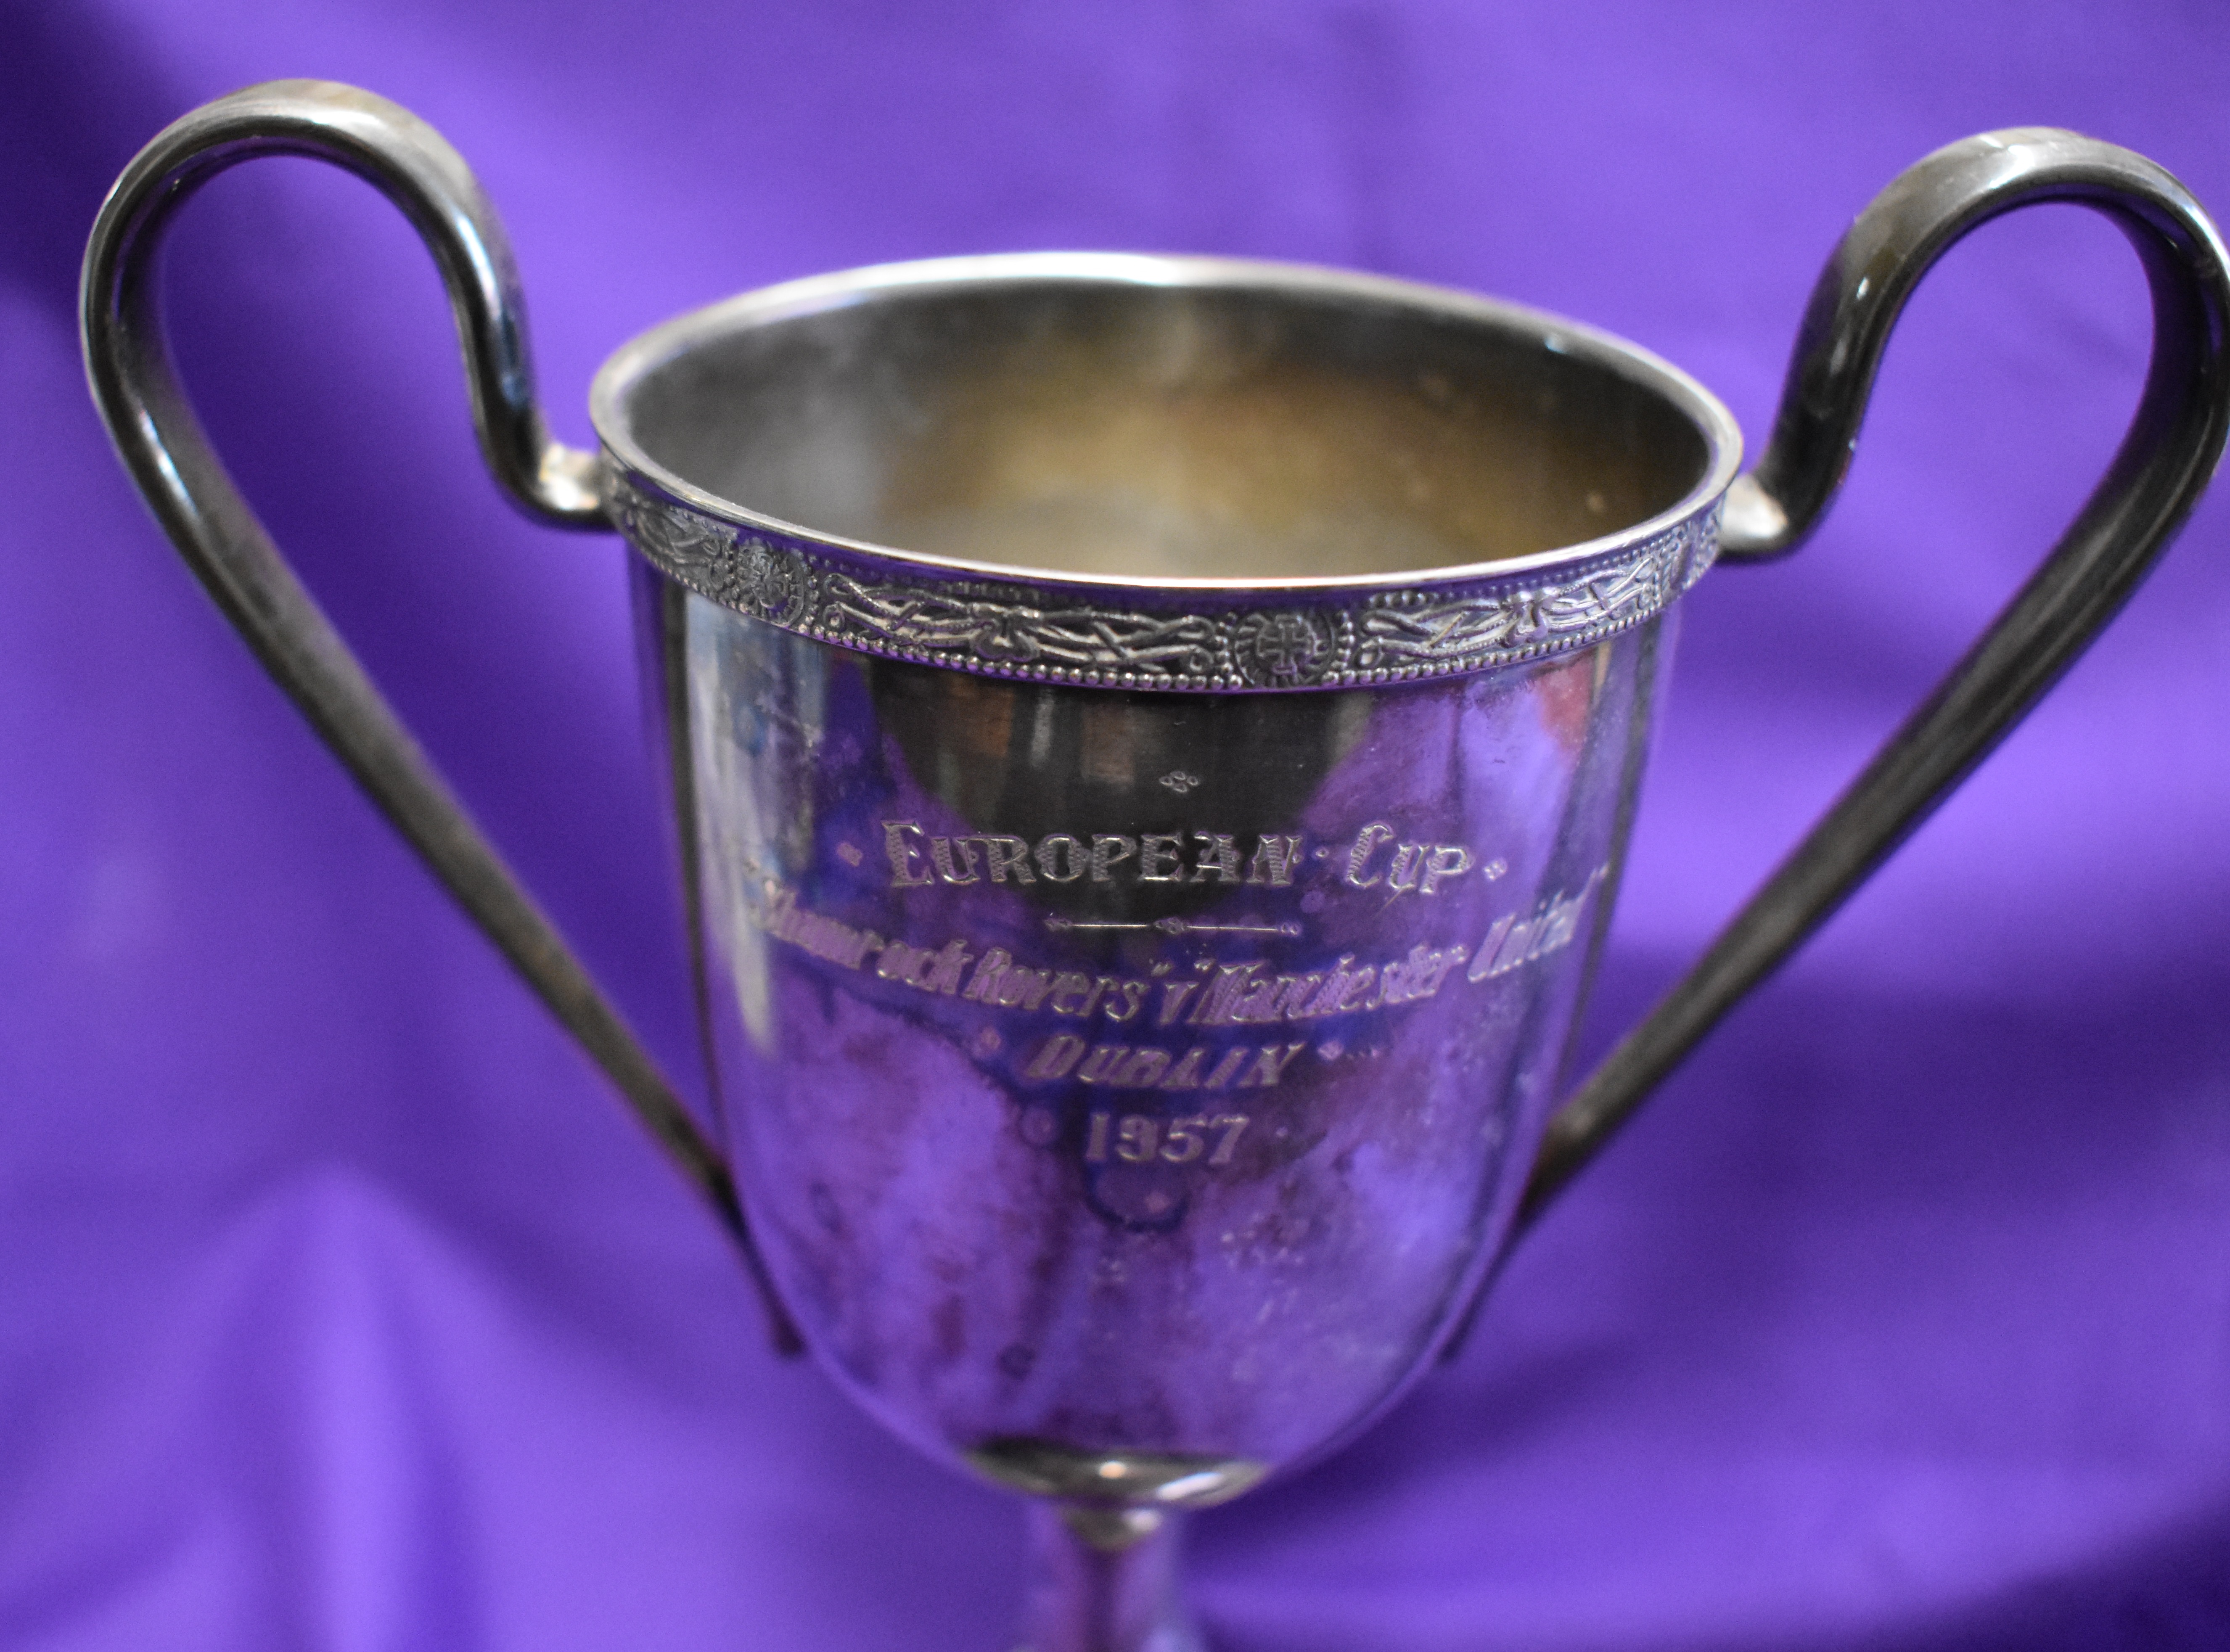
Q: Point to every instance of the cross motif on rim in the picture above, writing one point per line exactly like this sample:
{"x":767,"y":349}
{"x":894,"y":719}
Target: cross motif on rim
{"x":1286,"y":645}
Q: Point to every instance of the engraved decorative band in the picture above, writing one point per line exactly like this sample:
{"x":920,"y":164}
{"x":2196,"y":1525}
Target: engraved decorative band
{"x":1011,"y":628}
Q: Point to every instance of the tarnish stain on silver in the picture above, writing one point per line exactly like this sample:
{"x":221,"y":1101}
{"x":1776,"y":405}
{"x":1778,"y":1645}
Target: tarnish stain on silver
{"x":1152,"y":1137}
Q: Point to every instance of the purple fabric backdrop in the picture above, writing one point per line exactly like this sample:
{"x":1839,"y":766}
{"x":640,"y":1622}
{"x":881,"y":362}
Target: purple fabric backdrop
{"x":340,"y":1306}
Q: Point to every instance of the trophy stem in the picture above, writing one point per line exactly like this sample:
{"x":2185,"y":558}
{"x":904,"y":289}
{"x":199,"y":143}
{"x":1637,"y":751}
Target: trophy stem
{"x":1105,"y":1580}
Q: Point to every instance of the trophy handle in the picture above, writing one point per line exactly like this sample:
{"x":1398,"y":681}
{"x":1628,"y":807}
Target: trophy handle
{"x":163,"y":445}
{"x":2161,"y":469}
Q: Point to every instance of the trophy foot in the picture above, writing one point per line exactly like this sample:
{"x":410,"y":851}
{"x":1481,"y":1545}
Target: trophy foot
{"x":1105,"y":1580}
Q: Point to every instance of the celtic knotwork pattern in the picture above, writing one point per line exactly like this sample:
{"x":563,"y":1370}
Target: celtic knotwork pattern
{"x":693,"y":549}
{"x":1702,"y":535}
{"x":921,"y":621}
{"x":765,"y":580}
{"x":1470,"y":632}
{"x":1020,"y":630}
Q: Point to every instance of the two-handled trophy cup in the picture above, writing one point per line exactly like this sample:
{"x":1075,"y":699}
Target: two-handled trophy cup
{"x":1154,"y":742}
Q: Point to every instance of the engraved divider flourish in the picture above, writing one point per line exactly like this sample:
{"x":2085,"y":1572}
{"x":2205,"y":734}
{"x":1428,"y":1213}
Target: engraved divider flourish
{"x":1017,"y":630}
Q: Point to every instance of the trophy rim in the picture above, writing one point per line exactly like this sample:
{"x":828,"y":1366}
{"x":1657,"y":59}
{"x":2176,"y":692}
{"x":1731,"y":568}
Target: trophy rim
{"x":1200,"y":632}
{"x":610,"y":394}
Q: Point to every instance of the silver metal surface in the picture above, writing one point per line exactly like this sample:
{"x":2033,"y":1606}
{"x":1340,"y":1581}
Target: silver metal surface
{"x":1141,"y":1074}
{"x":1174,"y":637}
{"x":1154,"y":742}
{"x":162,"y":446}
{"x":2174,"y":445}
{"x":1131,"y":1085}
{"x":1164,"y":473}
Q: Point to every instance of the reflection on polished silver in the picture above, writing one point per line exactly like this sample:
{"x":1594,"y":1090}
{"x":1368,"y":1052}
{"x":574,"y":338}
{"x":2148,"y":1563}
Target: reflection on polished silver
{"x":1136,"y":1068}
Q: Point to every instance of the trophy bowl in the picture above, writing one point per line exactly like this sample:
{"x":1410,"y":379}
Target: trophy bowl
{"x":1152,"y":745}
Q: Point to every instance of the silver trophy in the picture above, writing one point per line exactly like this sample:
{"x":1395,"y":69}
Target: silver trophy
{"x":1153,"y":741}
